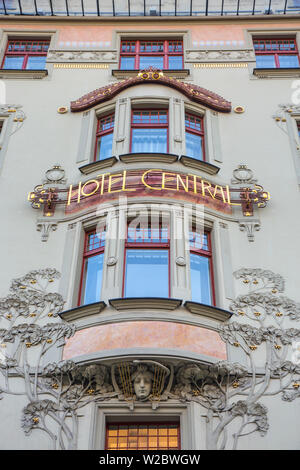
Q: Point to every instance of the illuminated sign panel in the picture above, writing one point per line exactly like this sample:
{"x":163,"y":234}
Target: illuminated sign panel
{"x":143,"y":183}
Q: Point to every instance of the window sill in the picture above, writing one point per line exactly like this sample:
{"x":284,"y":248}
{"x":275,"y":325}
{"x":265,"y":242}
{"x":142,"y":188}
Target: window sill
{"x":99,"y":165}
{"x":131,"y":303}
{"x":12,"y":73}
{"x":207,"y":311}
{"x":82,"y":311}
{"x":148,"y":157}
{"x":277,"y":73}
{"x":182,"y":73}
{"x":199,"y":165}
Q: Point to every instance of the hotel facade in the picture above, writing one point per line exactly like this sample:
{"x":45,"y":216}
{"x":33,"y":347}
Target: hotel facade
{"x":149,"y":192}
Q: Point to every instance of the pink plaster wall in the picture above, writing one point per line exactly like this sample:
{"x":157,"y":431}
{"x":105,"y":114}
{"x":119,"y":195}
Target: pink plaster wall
{"x":146,"y":334}
{"x":104,"y":32}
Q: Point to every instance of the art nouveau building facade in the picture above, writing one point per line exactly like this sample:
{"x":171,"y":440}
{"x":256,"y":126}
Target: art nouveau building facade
{"x":149,"y":186}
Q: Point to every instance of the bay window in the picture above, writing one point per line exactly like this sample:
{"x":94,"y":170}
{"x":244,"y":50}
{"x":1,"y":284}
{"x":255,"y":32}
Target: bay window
{"x":104,"y":137}
{"x":160,"y":54}
{"x":149,"y":131}
{"x":276,"y":53}
{"x":201,"y":268}
{"x":26,"y":54}
{"x":194,"y":136}
{"x":92,"y":268}
{"x":146,"y":272}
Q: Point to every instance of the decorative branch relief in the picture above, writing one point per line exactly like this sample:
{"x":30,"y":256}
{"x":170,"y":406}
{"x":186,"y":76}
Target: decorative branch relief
{"x":81,"y":56}
{"x":220,"y":55}
{"x":229,"y":393}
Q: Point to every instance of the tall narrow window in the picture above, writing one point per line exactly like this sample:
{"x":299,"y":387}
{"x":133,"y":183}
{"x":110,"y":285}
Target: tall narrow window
{"x":104,"y":137}
{"x":92,"y":269}
{"x":201,"y":268}
{"x":26,"y":54}
{"x":147,"y":262}
{"x":160,"y":54}
{"x":149,"y":131}
{"x":194,"y":136}
{"x":276,"y":53}
{"x":146,"y":436}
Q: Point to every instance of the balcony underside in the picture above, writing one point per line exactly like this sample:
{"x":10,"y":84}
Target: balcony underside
{"x":142,"y":8}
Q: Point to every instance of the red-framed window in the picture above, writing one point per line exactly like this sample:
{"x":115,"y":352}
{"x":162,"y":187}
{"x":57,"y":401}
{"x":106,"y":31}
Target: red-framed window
{"x":194,"y":136}
{"x":104,"y":137}
{"x":276,"y":52}
{"x":26,"y":54}
{"x":160,"y":54}
{"x":142,"y":436}
{"x":149,"y":131}
{"x":147,"y":262}
{"x":201,"y":268}
{"x":92,"y":267}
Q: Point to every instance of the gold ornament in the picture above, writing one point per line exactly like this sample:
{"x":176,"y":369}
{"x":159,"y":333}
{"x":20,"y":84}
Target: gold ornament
{"x":277,"y":346}
{"x":253,"y":347}
{"x":235,"y":384}
{"x":279,"y":314}
{"x":296,"y":385}
{"x":257,"y":314}
{"x":50,"y":314}
{"x":49,"y":341}
{"x":91,"y":391}
{"x":35,"y":420}
{"x":28,"y":345}
{"x":274,"y":291}
{"x":236,"y":344}
{"x":246,"y":281}
{"x":55,"y":386}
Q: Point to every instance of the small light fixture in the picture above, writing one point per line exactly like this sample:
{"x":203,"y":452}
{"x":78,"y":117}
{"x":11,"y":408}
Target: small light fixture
{"x":62,"y":109}
{"x":239,"y":109}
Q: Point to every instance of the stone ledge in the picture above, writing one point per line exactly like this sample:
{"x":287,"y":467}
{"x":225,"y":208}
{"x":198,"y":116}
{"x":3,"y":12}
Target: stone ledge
{"x":199,"y":165}
{"x":99,"y":165}
{"x":207,"y":311}
{"x":277,"y":73}
{"x":148,"y":157}
{"x":82,"y":311}
{"x":145,"y":302}
{"x":181,"y":73}
{"x":12,"y":73}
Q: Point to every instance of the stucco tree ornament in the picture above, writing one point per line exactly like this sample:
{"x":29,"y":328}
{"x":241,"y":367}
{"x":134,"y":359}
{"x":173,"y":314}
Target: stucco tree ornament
{"x":231,"y":393}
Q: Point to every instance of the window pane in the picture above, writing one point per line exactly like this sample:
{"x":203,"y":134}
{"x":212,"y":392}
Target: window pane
{"x":288,"y":61}
{"x":127,"y":63}
{"x":149,"y":140}
{"x":15,"y":63}
{"x":175,"y":62}
{"x":151,"y":61}
{"x":104,"y":149}
{"x":265,"y":61}
{"x":36,"y":63}
{"x":93,"y":279}
{"x":193,"y":144}
{"x":147,"y":273}
{"x":200,"y":279}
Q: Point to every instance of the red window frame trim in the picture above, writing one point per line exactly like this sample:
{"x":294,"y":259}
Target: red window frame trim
{"x":207,"y":254}
{"x":137,"y":53}
{"x":142,"y":423}
{"x":276,"y":53}
{"x":149,"y":125}
{"x":149,"y":245}
{"x":89,"y":254}
{"x":25,"y":54}
{"x":195,"y":131}
{"x":100,"y":133}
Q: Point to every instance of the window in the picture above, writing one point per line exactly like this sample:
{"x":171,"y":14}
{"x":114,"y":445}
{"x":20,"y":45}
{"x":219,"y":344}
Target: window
{"x":146,"y":271}
{"x":194,"y":136}
{"x":26,"y":54}
{"x":149,"y":131}
{"x":104,"y":137}
{"x":201,"y":268}
{"x":276,"y":53}
{"x":92,"y":269}
{"x":142,"y":436}
{"x":138,"y":55}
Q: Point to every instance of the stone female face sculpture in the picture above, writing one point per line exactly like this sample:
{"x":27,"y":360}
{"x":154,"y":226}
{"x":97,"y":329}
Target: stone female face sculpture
{"x":142,"y":384}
